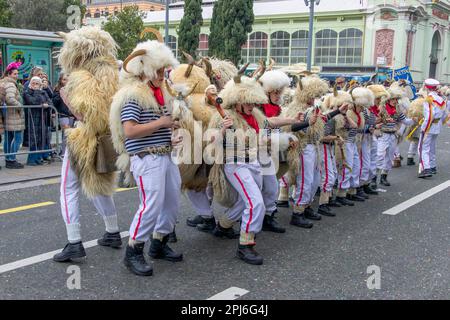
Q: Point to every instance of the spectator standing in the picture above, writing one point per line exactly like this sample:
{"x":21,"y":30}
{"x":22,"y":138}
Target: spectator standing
{"x":66,"y":118}
{"x":13,"y":114}
{"x":34,"y":95}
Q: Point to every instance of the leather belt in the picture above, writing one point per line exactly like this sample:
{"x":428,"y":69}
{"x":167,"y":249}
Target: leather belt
{"x":161,"y":150}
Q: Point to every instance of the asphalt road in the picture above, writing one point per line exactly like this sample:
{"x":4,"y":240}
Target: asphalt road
{"x":329,"y":261}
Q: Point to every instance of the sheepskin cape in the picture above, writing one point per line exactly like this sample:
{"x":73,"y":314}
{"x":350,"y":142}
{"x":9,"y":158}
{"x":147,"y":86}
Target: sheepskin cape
{"x":132,"y":89}
{"x":224,"y":193}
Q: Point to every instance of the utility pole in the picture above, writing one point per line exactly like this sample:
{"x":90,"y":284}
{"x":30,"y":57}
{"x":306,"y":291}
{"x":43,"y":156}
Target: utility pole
{"x":166,"y":38}
{"x":310,"y":3}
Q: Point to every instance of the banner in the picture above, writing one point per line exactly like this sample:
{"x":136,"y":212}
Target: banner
{"x":404,"y":74}
{"x":30,"y":57}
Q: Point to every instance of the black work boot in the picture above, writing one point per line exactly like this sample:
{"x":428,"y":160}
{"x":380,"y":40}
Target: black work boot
{"x":208,"y":225}
{"x":193,"y":222}
{"x":135,"y":262}
{"x":344,"y":201}
{"x":384,"y":181}
{"x":426,"y":173}
{"x":433,"y":170}
{"x":410,"y":162}
{"x":298,"y":220}
{"x":160,"y":250}
{"x":355,"y":197}
{"x":374,"y":183}
{"x":326,"y":211}
{"x":112,"y":240}
{"x":367,"y":189}
{"x":173,"y":236}
{"x":283,"y":204}
{"x":13,"y":165}
{"x":270,"y":224}
{"x":310,"y":214}
{"x":70,"y":251}
{"x":221,"y":232}
{"x":334,"y":203}
{"x":360,"y":192}
{"x":249,"y":255}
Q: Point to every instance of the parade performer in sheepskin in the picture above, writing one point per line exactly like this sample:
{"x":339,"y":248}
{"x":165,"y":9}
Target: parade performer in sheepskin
{"x":89,"y":56}
{"x":142,"y":123}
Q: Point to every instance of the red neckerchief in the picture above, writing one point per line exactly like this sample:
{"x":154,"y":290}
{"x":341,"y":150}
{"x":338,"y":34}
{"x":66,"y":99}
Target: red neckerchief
{"x":251,"y":121}
{"x":271,"y":110}
{"x":390,"y":109}
{"x":359,"y":118}
{"x":374,"y":110}
{"x":157,"y":92}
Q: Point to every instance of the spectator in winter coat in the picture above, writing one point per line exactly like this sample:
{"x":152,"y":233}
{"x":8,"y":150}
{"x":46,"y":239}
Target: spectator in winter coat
{"x":66,"y":118}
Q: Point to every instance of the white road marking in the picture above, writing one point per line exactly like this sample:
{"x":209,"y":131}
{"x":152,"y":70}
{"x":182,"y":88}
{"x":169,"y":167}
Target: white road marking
{"x":417,"y":199}
{"x":45,"y":256}
{"x":232,"y":293}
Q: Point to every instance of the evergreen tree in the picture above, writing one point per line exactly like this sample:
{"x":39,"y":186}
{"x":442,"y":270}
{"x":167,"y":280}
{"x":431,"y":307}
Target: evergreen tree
{"x":5,"y":14}
{"x":216,"y":41}
{"x":189,"y":29}
{"x":126,"y":28}
{"x":238,"y":18}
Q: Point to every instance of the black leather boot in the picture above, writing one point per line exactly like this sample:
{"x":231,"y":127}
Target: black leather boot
{"x":298,"y":220}
{"x":367,"y":189}
{"x":344,"y":201}
{"x":70,"y":251}
{"x":112,"y":240}
{"x":374,"y":183}
{"x":160,"y":250}
{"x":384,"y":181}
{"x":135,"y":262}
{"x":360,"y":192}
{"x":248,"y":254}
{"x":426,"y":173}
{"x":410,"y":162}
{"x":310,"y":214}
{"x":433,"y":170}
{"x":208,"y":225}
{"x":173,"y":236}
{"x":193,"y":222}
{"x":334,"y":203}
{"x":270,"y":224}
{"x":355,"y":197}
{"x":221,"y":232}
{"x":325,"y":210}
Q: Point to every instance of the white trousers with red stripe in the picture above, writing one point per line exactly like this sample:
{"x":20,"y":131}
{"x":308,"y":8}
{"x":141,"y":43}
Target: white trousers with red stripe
{"x":413,"y":148}
{"x":283,"y":188}
{"x":159,"y":182}
{"x":70,"y":208}
{"x":350,"y":178}
{"x":201,"y":202}
{"x":427,"y":151}
{"x":373,"y":157}
{"x":365,"y":158}
{"x":308,"y":179}
{"x":329,"y":171}
{"x":270,"y":189}
{"x":387,"y":144}
{"x":247,"y":180}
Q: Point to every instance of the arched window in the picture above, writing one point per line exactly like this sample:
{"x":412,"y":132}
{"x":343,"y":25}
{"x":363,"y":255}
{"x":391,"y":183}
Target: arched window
{"x":279,"y":47}
{"x":172,"y":44}
{"x":88,"y":13}
{"x":326,"y":47}
{"x":299,"y":46}
{"x":350,"y":46}
{"x":97,"y":13}
{"x":116,"y":11}
{"x":203,"y":45}
{"x":255,"y":48}
{"x":106,"y":12}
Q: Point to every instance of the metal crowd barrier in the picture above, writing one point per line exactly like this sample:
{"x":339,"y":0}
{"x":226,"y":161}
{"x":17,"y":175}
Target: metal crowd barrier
{"x":38,"y":130}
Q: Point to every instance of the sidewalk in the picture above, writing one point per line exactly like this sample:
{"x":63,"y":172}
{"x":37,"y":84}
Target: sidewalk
{"x":8,"y":176}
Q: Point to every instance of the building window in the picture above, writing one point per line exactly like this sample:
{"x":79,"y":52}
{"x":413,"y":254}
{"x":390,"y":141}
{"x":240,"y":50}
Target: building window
{"x":116,"y":11}
{"x":299,"y":46}
{"x":97,"y":13}
{"x":279,"y":47}
{"x":106,"y":12}
{"x":88,"y":13}
{"x":256,"y":47}
{"x":326,"y":47}
{"x":350,"y":46}
{"x":172,"y":44}
{"x":203,"y":45}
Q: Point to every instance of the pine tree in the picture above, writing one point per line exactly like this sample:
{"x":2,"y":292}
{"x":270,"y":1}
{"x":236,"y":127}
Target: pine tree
{"x":189,"y":29}
{"x":216,"y":41}
{"x":238,"y":18}
{"x":5,"y":14}
{"x":126,"y":28}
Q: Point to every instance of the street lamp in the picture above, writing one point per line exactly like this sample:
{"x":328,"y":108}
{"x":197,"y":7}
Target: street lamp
{"x":310,"y":4}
